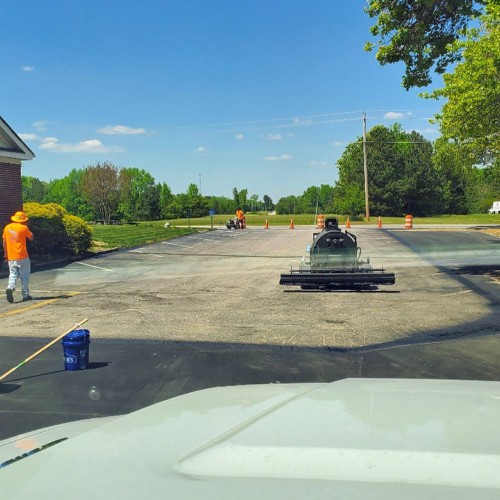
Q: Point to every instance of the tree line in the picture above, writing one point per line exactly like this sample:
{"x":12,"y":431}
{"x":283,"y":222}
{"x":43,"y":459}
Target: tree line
{"x":409,"y":174}
{"x":105,"y":193}
{"x":406,"y":174}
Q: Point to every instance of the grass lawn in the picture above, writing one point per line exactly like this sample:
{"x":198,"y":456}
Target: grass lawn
{"x":129,"y":235}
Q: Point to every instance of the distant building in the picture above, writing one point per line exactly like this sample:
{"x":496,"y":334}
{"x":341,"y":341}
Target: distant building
{"x":12,"y":152}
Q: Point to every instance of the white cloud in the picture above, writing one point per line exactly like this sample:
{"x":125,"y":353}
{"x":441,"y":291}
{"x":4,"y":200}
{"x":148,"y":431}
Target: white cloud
{"x":338,"y":143}
{"x":300,"y":121}
{"x":240,"y":136}
{"x":318,"y":163}
{"x":40,"y":125}
{"x":274,"y":137}
{"x":90,"y":146}
{"x":29,"y":137}
{"x":393,"y":115}
{"x":28,"y":69}
{"x":51,"y":143}
{"x":202,"y":149}
{"x":283,"y":157}
{"x":121,"y":130}
{"x":49,"y":139}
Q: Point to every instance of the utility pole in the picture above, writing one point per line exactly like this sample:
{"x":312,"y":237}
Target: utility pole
{"x":365,"y":164}
{"x":200,"y":183}
{"x":317,"y":203}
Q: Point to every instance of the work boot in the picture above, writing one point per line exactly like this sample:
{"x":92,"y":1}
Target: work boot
{"x":10,"y":295}
{"x":28,"y":297}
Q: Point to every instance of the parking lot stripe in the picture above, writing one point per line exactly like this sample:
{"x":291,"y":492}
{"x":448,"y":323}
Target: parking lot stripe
{"x":175,"y":244}
{"x":455,"y":293}
{"x":91,"y":265}
{"x":196,"y":238}
{"x":38,"y":304}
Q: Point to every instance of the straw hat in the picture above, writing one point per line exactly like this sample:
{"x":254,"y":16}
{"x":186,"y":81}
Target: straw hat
{"x":19,"y":217}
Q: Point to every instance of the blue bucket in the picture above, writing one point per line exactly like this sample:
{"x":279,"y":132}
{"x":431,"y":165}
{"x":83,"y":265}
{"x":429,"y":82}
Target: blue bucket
{"x":76,"y":350}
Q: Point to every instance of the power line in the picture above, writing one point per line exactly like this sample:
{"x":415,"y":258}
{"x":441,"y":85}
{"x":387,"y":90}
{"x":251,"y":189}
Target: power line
{"x":399,"y":142}
{"x":297,"y":119}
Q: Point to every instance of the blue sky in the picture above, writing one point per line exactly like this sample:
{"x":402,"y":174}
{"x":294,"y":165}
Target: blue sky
{"x":256,"y":94}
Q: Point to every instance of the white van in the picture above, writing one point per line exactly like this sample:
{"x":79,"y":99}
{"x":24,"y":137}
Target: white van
{"x":495,"y":208}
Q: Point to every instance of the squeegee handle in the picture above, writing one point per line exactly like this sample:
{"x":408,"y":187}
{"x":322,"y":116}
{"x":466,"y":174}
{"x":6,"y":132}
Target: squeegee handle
{"x":51,"y":343}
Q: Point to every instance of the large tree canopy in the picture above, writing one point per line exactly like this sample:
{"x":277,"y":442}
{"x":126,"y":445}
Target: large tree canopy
{"x":471,"y":114}
{"x":100,"y":185}
{"x":419,"y":33}
{"x":401,"y":176}
{"x":33,"y":189}
{"x":456,"y":169}
{"x":139,"y":196}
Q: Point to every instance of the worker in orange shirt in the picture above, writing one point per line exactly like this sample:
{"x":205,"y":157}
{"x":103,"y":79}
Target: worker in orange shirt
{"x":241,"y":217}
{"x":16,"y":254}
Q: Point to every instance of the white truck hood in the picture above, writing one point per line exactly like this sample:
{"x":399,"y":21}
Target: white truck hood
{"x":355,"y":438}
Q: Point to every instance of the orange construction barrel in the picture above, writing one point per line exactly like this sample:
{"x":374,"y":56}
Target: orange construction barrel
{"x":409,"y":222}
{"x":321,"y":222}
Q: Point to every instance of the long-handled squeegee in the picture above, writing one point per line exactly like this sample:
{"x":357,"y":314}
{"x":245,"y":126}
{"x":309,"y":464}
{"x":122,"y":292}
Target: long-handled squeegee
{"x":45,"y":347}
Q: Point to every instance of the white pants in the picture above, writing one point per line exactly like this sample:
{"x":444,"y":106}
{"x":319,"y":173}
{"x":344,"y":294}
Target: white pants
{"x":20,"y":269}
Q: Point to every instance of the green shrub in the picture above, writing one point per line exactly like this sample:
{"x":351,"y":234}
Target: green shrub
{"x":79,"y":233}
{"x":55,"y":231}
{"x":56,"y":209}
{"x":357,"y":217}
{"x":48,"y":229}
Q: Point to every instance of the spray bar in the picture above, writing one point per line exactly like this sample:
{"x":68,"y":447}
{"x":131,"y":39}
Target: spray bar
{"x":336,"y":279}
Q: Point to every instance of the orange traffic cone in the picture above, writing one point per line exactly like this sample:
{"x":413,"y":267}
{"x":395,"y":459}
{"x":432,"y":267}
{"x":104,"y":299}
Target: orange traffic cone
{"x":266,"y":225}
{"x":291,"y":224}
{"x":379,"y":223}
{"x":348,"y":222}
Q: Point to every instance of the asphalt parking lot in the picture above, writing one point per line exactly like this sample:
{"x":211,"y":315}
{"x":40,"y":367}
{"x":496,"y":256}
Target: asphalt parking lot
{"x":207,"y":310}
{"x":222,"y":287}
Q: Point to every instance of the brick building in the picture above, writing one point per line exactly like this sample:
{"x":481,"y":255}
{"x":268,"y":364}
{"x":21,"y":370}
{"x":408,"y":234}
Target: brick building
{"x":12,"y":152}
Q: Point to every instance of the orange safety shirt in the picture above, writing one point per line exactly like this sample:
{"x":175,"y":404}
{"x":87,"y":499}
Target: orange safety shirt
{"x":239,"y":214}
{"x":14,"y":237}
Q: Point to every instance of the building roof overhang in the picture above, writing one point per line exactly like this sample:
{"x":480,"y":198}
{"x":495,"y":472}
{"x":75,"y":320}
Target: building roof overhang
{"x":11,"y":145}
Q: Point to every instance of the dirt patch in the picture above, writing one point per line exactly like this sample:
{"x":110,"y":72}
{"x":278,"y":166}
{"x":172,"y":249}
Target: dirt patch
{"x":491,"y":230}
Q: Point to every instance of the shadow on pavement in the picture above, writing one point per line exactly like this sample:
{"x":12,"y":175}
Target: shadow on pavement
{"x":97,"y":364}
{"x":343,"y":290}
{"x":140,"y":373}
{"x":91,"y":366}
{"x":490,"y":270}
{"x":51,"y":297}
{"x":7,"y":388}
